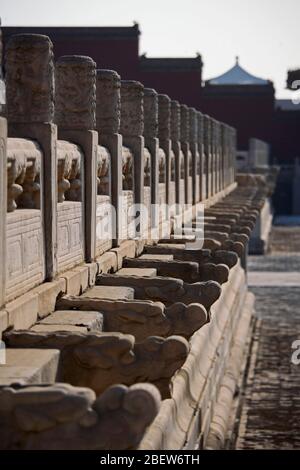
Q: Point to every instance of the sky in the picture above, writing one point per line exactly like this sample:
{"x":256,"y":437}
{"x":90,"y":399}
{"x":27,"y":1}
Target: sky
{"x":265,"y":34}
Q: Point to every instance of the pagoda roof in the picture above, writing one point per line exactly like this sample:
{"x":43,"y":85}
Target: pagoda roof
{"x":237,"y":76}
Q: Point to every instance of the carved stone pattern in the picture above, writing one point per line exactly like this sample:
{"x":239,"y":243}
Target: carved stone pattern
{"x":29,"y":78}
{"x":75,"y":92}
{"x":150,"y":113}
{"x":108,"y":106}
{"x":164,"y":117}
{"x":200,"y":133}
{"x":166,"y":289}
{"x":184,"y":123}
{"x":60,"y":416}
{"x":24,"y":166}
{"x":207,"y":133}
{"x":103,"y":170}
{"x":142,"y":318}
{"x":69,"y":161}
{"x":16,"y":165}
{"x":100,"y":360}
{"x":127,"y":169}
{"x":193,"y":124}
{"x":132,"y":109}
{"x":175,"y":120}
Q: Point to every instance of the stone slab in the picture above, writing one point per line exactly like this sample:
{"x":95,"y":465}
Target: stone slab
{"x":22,"y":312}
{"x":142,"y":272}
{"x":157,"y":256}
{"x":110,"y":292}
{"x":47,"y":295}
{"x":179,"y":246}
{"x":41,"y":328}
{"x":29,"y":366}
{"x":92,"y":321}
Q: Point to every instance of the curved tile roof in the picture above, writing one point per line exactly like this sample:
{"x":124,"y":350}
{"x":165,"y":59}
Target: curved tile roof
{"x":237,"y":76}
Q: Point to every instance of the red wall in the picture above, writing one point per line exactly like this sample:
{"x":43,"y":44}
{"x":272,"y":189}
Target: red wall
{"x":250,"y":113}
{"x":116,"y":54}
{"x":184,"y":86}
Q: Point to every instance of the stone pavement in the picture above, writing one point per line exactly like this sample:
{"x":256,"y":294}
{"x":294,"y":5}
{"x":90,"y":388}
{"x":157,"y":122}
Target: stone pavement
{"x":270,"y":413}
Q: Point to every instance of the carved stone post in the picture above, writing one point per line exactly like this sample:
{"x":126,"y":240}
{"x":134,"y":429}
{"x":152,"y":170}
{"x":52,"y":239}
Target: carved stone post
{"x":176,"y":146}
{"x":207,"y":154}
{"x":217,"y":156}
{"x":164,"y":134}
{"x":3,"y":204}
{"x":30,"y":106}
{"x":193,"y":140}
{"x":75,"y":116}
{"x":132,"y":128}
{"x":200,"y":135}
{"x":233,"y":154}
{"x":213,"y":155}
{"x":108,"y":115}
{"x":184,"y":137}
{"x":152,"y":143}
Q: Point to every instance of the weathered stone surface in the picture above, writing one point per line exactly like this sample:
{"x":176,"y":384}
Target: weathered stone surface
{"x":158,"y":257}
{"x":150,"y":113}
{"x":167,"y":290}
{"x":47,"y":295}
{"x":38,"y":327}
{"x":75,"y":92}
{"x":184,"y":123}
{"x":29,"y":366}
{"x":142,"y":318}
{"x":200,"y":256}
{"x":92,"y":321}
{"x":136,"y":271}
{"x":132,"y":122}
{"x":23,"y":311}
{"x":60,"y":416}
{"x":175,"y":120}
{"x":108,"y":113}
{"x":29,"y":78}
{"x":103,"y":359}
{"x":164,"y":116}
{"x":110,"y":292}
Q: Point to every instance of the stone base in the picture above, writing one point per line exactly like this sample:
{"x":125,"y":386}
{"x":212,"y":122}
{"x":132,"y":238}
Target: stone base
{"x":259,"y":240}
{"x":188,"y":419}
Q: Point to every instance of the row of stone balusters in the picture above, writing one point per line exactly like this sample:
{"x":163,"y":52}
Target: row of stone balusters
{"x":198,"y":150}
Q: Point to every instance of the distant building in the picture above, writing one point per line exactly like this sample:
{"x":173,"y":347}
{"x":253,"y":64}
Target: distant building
{"x":244,"y":101}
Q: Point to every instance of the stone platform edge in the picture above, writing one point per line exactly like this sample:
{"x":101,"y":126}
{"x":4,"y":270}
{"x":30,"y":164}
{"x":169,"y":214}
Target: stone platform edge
{"x":190,"y":418}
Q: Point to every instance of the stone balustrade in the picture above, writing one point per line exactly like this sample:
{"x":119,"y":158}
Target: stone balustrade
{"x":93,"y":299}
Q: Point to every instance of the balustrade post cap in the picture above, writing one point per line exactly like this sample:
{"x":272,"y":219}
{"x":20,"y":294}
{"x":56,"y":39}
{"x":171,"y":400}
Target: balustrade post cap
{"x":27,"y":39}
{"x":150,"y":92}
{"x":132,"y":84}
{"x":163,"y":99}
{"x":66,"y":60}
{"x":107,"y":74}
